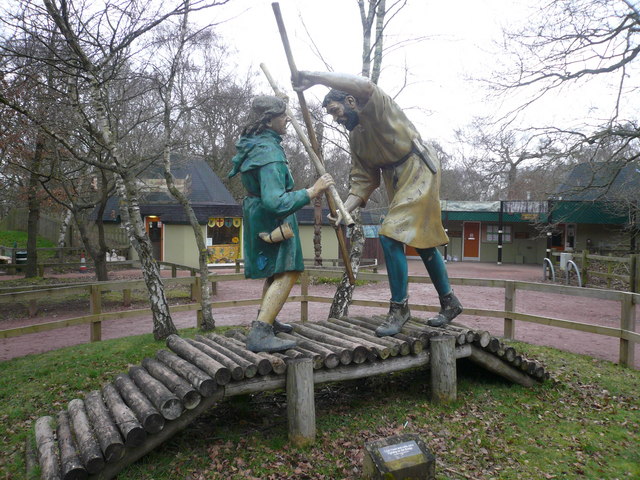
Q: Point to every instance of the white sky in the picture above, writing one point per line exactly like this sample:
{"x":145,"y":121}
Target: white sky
{"x":441,"y":95}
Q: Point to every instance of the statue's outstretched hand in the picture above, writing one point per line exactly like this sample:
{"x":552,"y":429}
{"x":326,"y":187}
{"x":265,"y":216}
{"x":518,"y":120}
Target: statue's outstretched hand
{"x":302,"y":81}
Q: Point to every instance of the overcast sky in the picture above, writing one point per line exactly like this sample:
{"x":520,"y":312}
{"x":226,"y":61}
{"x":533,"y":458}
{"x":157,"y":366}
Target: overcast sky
{"x":442,"y":94}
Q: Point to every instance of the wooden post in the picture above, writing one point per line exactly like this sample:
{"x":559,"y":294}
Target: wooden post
{"x":95,"y":304}
{"x":195,"y":287}
{"x":509,"y":306}
{"x":304,"y":291}
{"x":32,"y":307}
{"x":126,"y":297}
{"x":585,"y":267}
{"x":301,"y":409}
{"x":41,"y":270}
{"x":634,"y":274}
{"x":627,"y":322}
{"x":443,"y":369}
{"x":174,"y":271}
{"x":237,"y":265}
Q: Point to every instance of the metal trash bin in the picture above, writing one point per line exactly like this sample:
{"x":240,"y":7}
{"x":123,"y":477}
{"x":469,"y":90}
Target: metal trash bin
{"x":21,"y":257}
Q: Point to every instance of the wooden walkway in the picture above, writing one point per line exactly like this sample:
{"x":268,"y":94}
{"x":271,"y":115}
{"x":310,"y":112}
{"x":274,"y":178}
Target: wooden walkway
{"x":99,"y":435}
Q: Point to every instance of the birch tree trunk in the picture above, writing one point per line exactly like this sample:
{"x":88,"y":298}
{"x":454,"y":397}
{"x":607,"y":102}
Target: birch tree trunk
{"x":130,"y":213}
{"x":208,"y":322}
{"x":63,"y":228}
{"x":344,"y":293}
{"x":166,"y":89}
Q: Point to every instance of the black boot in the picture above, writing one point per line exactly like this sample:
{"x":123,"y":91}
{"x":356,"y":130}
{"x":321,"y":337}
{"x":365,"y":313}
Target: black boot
{"x":398,"y":315}
{"x":450,"y":309}
{"x":282,"y":327}
{"x":262,"y":339}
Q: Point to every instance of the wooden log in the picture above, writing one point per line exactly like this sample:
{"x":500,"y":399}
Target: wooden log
{"x":443,"y":369}
{"x":330,"y":359}
{"x":381,"y":348}
{"x":182,"y":389}
{"x":396,"y":346}
{"x":161,"y":397}
{"x":494,"y":345}
{"x":360,"y":353}
{"x":497,"y":366}
{"x":296,"y":354}
{"x":301,"y":410}
{"x":506,"y":353}
{"x":249,"y":368}
{"x":263,"y":364}
{"x":517,"y":361}
{"x":235,"y":370}
{"x":217,"y":371}
{"x":47,"y":449}
{"x":421,"y":324}
{"x":345,"y":356}
{"x":71,"y":468}
{"x":202,"y":382}
{"x":415,"y":344}
{"x":469,"y":334}
{"x":277,"y":364}
{"x":482,"y":338}
{"x":145,"y":412}
{"x":105,"y":429}
{"x":316,"y":358}
{"x":130,"y":428}
{"x":88,"y":446}
{"x":373,"y":350}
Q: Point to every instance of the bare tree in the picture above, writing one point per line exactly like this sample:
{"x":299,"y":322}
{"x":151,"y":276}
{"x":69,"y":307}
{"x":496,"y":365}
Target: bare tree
{"x":502,"y":156}
{"x":569,"y":45}
{"x":99,"y":51}
{"x":374,"y":14}
{"x":167,"y":76}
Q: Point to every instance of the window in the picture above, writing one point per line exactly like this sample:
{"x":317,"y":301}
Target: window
{"x":491,"y":234}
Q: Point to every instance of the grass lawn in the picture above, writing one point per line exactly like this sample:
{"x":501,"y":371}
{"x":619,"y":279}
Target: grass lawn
{"x":9,"y":237}
{"x":582,"y":424}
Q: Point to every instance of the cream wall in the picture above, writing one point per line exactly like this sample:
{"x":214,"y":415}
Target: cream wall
{"x":329,"y":242}
{"x":180,"y":244}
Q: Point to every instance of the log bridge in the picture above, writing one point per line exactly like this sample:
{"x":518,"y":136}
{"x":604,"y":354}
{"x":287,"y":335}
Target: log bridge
{"x":96,"y":437}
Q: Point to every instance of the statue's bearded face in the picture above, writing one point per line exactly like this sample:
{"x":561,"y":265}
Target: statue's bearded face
{"x":343,"y":114}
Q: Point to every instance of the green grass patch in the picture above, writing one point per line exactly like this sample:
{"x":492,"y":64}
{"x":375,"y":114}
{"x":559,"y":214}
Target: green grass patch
{"x":10,"y":237}
{"x":584,"y":423}
{"x":336,"y":281}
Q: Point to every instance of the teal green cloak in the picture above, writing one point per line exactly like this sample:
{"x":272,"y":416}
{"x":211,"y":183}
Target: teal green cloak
{"x":270,"y":202}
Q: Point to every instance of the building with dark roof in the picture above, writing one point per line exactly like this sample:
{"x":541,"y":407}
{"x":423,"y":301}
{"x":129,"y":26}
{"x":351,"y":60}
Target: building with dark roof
{"x":166,"y":221}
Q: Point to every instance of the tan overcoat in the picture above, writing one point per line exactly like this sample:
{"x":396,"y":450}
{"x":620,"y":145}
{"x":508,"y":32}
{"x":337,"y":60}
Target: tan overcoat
{"x":379,"y":143}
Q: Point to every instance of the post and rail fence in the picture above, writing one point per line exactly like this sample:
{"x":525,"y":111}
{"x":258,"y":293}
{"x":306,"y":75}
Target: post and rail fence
{"x":625,"y":332}
{"x":625,"y":270}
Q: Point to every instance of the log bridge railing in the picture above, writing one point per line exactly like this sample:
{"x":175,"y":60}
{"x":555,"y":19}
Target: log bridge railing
{"x":99,"y":435}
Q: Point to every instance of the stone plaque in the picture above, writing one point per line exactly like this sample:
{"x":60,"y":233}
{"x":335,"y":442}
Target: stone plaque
{"x":400,"y":457}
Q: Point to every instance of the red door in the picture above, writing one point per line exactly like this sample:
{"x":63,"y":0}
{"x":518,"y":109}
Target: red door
{"x":471,"y":246}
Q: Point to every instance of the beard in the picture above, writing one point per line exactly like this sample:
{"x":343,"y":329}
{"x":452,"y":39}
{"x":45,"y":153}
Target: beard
{"x":352,"y":118}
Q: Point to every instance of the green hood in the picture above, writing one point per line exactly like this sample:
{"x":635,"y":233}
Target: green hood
{"x":255,"y":151}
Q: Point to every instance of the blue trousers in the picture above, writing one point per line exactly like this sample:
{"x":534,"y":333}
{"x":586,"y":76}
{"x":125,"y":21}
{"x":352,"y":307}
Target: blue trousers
{"x":398,"y":272}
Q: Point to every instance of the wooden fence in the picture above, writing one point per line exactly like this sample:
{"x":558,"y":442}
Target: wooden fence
{"x":623,"y":269}
{"x":625,"y":331}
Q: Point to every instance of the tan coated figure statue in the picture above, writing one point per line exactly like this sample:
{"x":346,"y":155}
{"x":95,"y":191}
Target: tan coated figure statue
{"x":385,"y":146}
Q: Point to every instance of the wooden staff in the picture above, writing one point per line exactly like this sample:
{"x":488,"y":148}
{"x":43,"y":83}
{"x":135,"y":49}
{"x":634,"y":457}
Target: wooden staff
{"x":333,"y":199}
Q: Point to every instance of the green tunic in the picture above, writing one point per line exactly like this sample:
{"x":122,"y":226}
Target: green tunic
{"x":270,"y":202}
{"x":381,"y":139}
